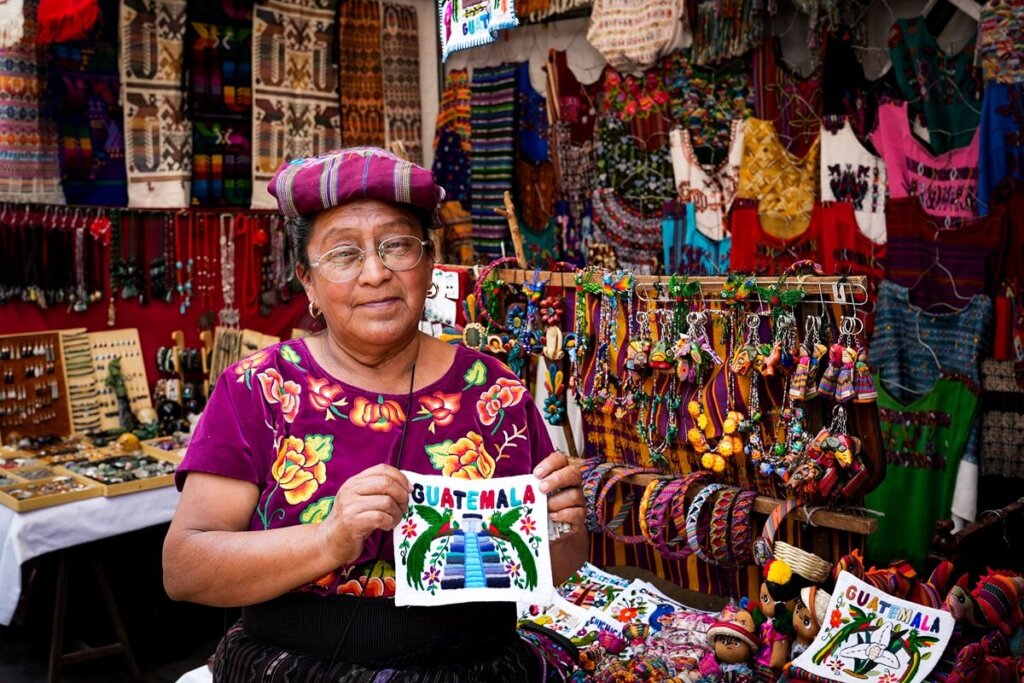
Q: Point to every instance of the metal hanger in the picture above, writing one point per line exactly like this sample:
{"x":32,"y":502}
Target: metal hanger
{"x":952,"y":281}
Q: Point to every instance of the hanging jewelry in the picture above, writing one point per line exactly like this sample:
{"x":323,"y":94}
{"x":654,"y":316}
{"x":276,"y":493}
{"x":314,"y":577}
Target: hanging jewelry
{"x":830,"y":454}
{"x":228,"y":315}
{"x":803,"y":380}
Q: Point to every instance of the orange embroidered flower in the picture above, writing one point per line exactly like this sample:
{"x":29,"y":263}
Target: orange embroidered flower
{"x":463,"y":459}
{"x":250,"y":363}
{"x":381,"y":416}
{"x":301,"y":467}
{"x":440,"y":406}
{"x":503,"y":394}
{"x":276,"y":390}
{"x":325,"y":397}
{"x":627,"y":614}
{"x":325,"y":580}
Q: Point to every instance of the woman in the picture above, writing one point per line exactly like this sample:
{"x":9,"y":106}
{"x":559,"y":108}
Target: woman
{"x":292,"y":483}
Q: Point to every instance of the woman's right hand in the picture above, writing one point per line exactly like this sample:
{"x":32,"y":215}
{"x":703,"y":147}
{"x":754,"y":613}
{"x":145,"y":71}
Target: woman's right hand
{"x":376,"y":498}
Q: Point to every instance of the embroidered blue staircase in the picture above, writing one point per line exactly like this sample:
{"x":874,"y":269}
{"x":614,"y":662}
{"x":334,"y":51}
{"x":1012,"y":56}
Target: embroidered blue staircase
{"x":474,"y":564}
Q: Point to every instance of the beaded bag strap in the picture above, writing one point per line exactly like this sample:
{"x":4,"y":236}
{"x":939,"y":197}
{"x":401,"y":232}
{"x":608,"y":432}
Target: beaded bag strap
{"x":592,"y":479}
{"x":718,"y":534}
{"x":610,"y":527}
{"x":763,"y":546}
{"x":741,"y":529}
{"x":693,"y":519}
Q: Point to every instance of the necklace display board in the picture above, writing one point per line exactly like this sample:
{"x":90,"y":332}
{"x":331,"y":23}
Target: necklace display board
{"x":120,"y":344}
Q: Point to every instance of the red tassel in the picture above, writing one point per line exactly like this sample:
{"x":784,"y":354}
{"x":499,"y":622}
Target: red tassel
{"x":60,"y":21}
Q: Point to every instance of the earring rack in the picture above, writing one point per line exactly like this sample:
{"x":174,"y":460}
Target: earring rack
{"x":123,"y":344}
{"x":85,"y":407}
{"x":34,"y":397}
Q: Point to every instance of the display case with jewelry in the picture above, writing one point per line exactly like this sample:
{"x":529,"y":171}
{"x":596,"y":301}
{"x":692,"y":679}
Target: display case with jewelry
{"x":120,"y":473}
{"x":170,"y":447}
{"x":34,"y":397}
{"x":24,"y":496}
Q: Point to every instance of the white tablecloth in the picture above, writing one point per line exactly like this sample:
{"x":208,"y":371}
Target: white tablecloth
{"x":30,"y":534}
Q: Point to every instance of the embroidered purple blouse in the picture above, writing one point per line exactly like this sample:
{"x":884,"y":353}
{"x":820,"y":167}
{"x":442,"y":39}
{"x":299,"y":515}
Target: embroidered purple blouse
{"x":279,"y":420}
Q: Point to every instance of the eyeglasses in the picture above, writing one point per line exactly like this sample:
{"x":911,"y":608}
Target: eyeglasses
{"x":398,"y":253}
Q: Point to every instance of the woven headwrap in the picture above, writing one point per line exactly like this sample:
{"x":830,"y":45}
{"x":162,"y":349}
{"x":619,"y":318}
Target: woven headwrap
{"x":308,"y":186}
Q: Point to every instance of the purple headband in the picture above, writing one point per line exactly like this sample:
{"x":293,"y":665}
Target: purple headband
{"x":307,"y":186}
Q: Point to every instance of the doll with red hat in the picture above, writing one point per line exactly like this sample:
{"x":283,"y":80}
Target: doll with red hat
{"x":733,"y":641}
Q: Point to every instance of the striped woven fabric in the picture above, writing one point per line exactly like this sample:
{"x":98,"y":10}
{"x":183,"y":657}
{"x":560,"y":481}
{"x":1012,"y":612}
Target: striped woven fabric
{"x":361,"y":73}
{"x":493,"y":124}
{"x":400,"y":57}
{"x":29,"y":171}
{"x":452,"y":137}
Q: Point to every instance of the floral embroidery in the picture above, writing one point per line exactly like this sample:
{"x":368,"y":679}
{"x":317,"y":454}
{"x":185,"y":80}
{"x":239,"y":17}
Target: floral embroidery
{"x":439,"y":406}
{"x":376,"y":580}
{"x":527,"y":526}
{"x":503,"y":394}
{"x":301,"y":467}
{"x":276,"y":390}
{"x":409,"y":528}
{"x":247,"y":365}
{"x":381,"y":416}
{"x":466,"y":458}
{"x":318,"y":511}
{"x":326,"y":397}
{"x":292,"y":356}
{"x":476,"y":375}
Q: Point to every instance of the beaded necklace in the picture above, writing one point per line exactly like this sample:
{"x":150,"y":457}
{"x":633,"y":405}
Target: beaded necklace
{"x":669,"y":401}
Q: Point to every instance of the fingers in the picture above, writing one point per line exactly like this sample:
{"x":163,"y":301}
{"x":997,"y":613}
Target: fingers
{"x":378,"y":485}
{"x":574,"y":517}
{"x":566,"y":477}
{"x":552,"y":463}
{"x":566,"y":498}
{"x":387,"y":471}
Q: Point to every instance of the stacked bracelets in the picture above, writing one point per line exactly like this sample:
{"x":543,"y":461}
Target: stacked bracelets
{"x":679,"y":516}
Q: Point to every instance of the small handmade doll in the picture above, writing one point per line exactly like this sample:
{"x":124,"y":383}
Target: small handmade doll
{"x":810,"y":612}
{"x":863,"y":382}
{"x":845,"y":390}
{"x":776,"y":600}
{"x":733,"y":642}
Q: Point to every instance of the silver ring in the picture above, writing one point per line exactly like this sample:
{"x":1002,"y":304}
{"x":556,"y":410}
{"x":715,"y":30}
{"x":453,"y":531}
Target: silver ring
{"x":563,"y":528}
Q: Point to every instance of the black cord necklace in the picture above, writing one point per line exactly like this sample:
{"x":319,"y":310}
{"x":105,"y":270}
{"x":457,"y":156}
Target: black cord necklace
{"x":376,"y":557}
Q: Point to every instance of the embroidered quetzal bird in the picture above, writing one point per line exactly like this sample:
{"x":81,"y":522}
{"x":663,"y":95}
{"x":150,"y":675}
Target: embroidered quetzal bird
{"x":500,"y":527}
{"x":438,"y":525}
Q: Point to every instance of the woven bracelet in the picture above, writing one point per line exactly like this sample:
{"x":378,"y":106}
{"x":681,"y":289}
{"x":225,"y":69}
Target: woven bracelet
{"x":741,"y":529}
{"x":659,"y":519}
{"x":718,"y":533}
{"x":679,"y":502}
{"x":763,"y":545}
{"x":693,"y":519}
{"x":592,"y":479}
{"x":651,"y":494}
{"x":610,"y":527}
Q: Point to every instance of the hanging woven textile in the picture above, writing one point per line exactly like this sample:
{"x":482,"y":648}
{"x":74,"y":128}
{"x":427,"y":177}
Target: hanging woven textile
{"x":361,"y":74}
{"x":87,"y":101}
{"x":400,"y":53}
{"x":632,"y":34}
{"x":29,"y":171}
{"x":494,"y":124}
{"x":572,"y":137}
{"x":63,"y":20}
{"x":158,"y":136}
{"x":535,"y":174}
{"x":219,"y":54}
{"x":725,"y":29}
{"x":451,"y":137}
{"x":792,"y":102}
{"x":295,"y":87}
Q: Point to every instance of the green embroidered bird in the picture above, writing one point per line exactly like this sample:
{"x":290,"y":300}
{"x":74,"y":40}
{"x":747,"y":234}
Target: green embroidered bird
{"x":500,"y":527}
{"x":439,"y":525}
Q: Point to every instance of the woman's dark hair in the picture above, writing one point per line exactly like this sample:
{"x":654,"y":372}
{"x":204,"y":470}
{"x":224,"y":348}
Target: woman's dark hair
{"x":300,"y":229}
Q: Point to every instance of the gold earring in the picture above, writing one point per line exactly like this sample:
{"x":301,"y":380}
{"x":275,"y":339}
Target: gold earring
{"x":314,"y":314}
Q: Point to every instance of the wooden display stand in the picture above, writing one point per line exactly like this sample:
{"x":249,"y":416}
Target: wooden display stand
{"x":34,"y":398}
{"x":123,"y":344}
{"x":91,"y":490}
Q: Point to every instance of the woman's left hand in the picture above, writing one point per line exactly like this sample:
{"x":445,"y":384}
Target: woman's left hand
{"x":562,"y":482}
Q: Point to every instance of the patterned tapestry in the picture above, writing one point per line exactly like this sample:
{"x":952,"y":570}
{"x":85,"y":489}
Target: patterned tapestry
{"x":493,"y":122}
{"x":158,"y":136}
{"x":362,"y":84}
{"x":295,"y":87}
{"x":400,"y":52}
{"x":29,"y":170}
{"x":87,"y":103}
{"x":219,"y":40}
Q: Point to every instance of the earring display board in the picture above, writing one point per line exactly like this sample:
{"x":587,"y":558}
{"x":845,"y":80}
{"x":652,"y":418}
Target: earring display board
{"x":123,"y":344}
{"x":231,"y":345}
{"x":34,"y":393}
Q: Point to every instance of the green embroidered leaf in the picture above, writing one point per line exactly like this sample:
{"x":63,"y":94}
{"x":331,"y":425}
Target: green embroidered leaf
{"x":320,"y":445}
{"x":438,"y":452}
{"x":290,"y":355}
{"x":318,"y":511}
{"x":476,"y":375}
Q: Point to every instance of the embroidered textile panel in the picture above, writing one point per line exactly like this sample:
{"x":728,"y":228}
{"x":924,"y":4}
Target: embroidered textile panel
{"x":12,"y":22}
{"x":158,"y":140}
{"x":295,"y":87}
{"x":360,"y":72}
{"x":29,"y":168}
{"x":452,"y":137}
{"x":219,"y":41}
{"x":1002,"y":421}
{"x":87,"y":103}
{"x":493,"y":123}
{"x":400,"y":55}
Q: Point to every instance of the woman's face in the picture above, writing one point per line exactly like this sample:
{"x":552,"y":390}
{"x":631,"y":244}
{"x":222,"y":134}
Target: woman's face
{"x":378,"y":307}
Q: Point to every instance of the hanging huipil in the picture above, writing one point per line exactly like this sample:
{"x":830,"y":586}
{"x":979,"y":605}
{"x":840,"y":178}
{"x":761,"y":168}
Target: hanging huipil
{"x":711,"y":189}
{"x":452,"y":137}
{"x":632,"y":34}
{"x":850,"y":173}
